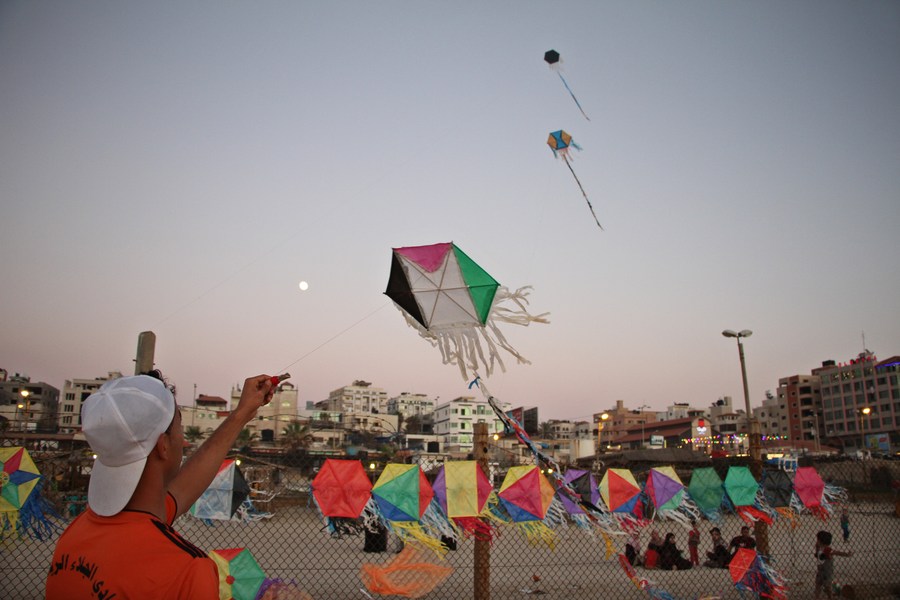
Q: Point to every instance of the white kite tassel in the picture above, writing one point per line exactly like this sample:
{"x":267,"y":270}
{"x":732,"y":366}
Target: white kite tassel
{"x":473,"y":349}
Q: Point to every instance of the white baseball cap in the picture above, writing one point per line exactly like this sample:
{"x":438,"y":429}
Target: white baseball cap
{"x":122,"y":422}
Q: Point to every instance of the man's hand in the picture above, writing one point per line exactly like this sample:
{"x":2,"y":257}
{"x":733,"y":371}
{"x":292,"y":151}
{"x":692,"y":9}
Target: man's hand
{"x":257,"y":392}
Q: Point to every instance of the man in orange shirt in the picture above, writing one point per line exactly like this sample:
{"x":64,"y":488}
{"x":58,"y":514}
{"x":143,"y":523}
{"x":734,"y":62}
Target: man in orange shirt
{"x":123,"y":545}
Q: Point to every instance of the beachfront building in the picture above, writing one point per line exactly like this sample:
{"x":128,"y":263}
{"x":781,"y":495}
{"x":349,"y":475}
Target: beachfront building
{"x":799,"y":403}
{"x":861,"y":402}
{"x":560,"y":429}
{"x":680,"y":410}
{"x":771,"y":416}
{"x":658,"y":434}
{"x":360,"y":396}
{"x":74,"y":393}
{"x":272,"y":418}
{"x":410,"y":405}
{"x":206,"y":413}
{"x":620,"y":420}
{"x":455,"y":421}
{"x":28,"y":406}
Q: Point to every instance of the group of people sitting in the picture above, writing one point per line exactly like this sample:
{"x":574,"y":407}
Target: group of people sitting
{"x":720,"y":555}
{"x":663,"y":553}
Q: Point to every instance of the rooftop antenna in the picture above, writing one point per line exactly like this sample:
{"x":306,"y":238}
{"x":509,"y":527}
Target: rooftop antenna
{"x":866,"y":350}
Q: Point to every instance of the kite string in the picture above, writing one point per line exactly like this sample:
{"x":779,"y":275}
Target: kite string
{"x":583,"y":193}
{"x":332,"y":338}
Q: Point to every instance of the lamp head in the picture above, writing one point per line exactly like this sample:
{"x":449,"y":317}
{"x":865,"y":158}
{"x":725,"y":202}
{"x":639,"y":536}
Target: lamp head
{"x":604,"y":417}
{"x":729,"y":333}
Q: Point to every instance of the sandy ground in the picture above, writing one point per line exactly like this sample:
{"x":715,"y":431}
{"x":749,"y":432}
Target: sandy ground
{"x":293,"y":545}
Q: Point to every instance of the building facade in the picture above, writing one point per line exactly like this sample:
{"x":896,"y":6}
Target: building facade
{"x":28,"y":406}
{"x":861,"y":402}
{"x":799,"y":404}
{"x":272,"y":418}
{"x":74,"y":393}
{"x":356,"y":398}
{"x":455,"y":421}
{"x":410,"y":405}
{"x":622,"y":419}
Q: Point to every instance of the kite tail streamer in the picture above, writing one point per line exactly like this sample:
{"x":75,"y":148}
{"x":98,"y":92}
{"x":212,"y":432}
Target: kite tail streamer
{"x":434,"y":521}
{"x":751,"y":514}
{"x":610,"y":549}
{"x":681,"y":517}
{"x":645,"y":585}
{"x":36,"y":518}
{"x":764,"y":581}
{"x":833,"y":496}
{"x":475,"y":527}
{"x":583,"y":193}
{"x":466,"y":348}
{"x":760,"y":505}
{"x":412,"y":531}
{"x":537,"y":533}
{"x":571,"y":93}
{"x":408,"y":574}
{"x":788,"y":513}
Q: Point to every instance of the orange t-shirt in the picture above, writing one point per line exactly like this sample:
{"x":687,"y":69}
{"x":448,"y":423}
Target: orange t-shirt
{"x":129,"y":555}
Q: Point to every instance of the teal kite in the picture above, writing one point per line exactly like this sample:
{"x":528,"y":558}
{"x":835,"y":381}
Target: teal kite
{"x":707,"y":492}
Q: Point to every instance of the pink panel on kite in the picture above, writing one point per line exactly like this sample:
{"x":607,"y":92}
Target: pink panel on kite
{"x":429,"y":258}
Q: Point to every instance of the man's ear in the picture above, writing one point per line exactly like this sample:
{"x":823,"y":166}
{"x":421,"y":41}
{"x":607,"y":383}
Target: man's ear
{"x":162,"y":446}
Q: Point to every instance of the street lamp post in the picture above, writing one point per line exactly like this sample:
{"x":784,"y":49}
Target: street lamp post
{"x":752,"y":432}
{"x":863,"y":413}
{"x":643,"y":422}
{"x":603,"y":419}
{"x":23,"y":408}
{"x":761,"y":529}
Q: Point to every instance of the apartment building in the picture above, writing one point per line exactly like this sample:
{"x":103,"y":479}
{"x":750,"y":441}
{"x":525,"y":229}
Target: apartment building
{"x":455,"y":421}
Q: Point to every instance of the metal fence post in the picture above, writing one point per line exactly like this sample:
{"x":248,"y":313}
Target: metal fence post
{"x":482,"y":546}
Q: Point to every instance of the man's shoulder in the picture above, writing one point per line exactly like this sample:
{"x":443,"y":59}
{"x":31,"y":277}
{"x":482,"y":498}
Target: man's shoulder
{"x":134,"y":555}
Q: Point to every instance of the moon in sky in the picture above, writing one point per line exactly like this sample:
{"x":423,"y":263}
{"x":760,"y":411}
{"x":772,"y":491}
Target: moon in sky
{"x":304,"y":286}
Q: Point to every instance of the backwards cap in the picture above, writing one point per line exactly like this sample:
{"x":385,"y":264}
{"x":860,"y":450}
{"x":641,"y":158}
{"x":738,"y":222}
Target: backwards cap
{"x":122,"y":422}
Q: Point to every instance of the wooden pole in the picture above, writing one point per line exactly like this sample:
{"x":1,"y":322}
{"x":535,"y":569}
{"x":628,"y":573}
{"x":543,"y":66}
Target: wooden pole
{"x":482,"y":546}
{"x":143,"y":362}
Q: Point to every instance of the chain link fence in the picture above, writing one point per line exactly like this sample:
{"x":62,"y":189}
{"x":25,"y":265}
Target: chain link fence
{"x":283,"y":529}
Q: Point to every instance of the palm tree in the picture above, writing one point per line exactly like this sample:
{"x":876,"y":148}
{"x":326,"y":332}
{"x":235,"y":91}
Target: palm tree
{"x":414,"y":424}
{"x":296,"y":436}
{"x":546,"y":430}
{"x":246,"y":437}
{"x":192,"y":433}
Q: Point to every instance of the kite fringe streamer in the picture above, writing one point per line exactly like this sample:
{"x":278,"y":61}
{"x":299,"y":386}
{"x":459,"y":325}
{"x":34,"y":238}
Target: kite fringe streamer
{"x":466,"y":348}
{"x":751,"y":514}
{"x":537,"y":533}
{"x":36,"y":518}
{"x":408,"y":574}
{"x":764,"y":581}
{"x":427,"y":532}
{"x":788,"y":513}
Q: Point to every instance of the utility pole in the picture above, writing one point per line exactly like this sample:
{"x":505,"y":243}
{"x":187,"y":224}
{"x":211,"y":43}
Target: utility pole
{"x":143,"y":362}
